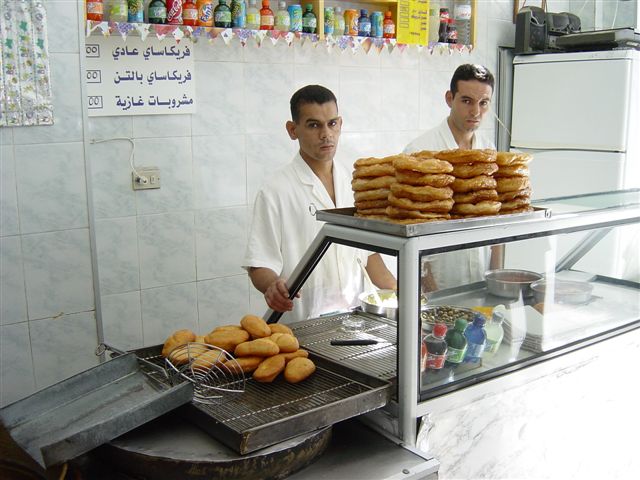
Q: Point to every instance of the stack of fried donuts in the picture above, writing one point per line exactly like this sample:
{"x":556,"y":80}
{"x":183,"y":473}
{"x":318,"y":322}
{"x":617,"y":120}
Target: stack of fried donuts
{"x":421,"y":192}
{"x":372,"y":178}
{"x":513,"y":186}
{"x":474,"y":188}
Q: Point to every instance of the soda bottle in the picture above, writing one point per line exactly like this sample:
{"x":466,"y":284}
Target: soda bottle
{"x":238,"y":14}
{"x":388,"y":27}
{"x":189,"y":13}
{"x":253,"y":16}
{"x":157,"y":12}
{"x":222,"y":15}
{"x":283,"y":20}
{"x":266,"y":16}
{"x":495,"y":333}
{"x":456,"y":342}
{"x":118,"y":11}
{"x":364,"y":24}
{"x":376,"y":24}
{"x":135,"y":11}
{"x":462,"y":16}
{"x":309,"y":21}
{"x":444,"y":22}
{"x":205,"y":13}
{"x":452,"y":32}
{"x":476,"y":340}
{"x":174,"y":12}
{"x":436,"y":348}
{"x":295,"y":13}
{"x":94,"y":10}
{"x":338,"y":21}
{"x":329,"y":20}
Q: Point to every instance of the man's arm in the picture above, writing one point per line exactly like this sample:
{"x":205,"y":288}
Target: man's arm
{"x":274,"y":288}
{"x":379,"y":273}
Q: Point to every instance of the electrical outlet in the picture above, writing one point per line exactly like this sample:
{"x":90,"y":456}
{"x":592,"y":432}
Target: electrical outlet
{"x":145,"y":178}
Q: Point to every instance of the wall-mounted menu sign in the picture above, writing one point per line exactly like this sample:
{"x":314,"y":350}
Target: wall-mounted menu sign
{"x":413,"y":22}
{"x":139,"y":77}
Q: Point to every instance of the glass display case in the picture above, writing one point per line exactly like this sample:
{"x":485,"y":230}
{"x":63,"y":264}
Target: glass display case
{"x":528,"y":288}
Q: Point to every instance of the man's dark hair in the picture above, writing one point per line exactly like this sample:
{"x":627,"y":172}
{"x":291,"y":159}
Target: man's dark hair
{"x":310,"y":94}
{"x":471,"y":72}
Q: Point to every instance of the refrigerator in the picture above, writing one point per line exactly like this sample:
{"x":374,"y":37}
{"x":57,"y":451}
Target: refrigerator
{"x":578,"y":114}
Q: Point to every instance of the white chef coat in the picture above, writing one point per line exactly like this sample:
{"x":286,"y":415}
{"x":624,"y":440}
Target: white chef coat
{"x":459,"y":267}
{"x":283,"y":227}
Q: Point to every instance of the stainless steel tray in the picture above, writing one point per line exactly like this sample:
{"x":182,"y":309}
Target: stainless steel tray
{"x":269,"y":413}
{"x":344,"y":216}
{"x":76,"y":415}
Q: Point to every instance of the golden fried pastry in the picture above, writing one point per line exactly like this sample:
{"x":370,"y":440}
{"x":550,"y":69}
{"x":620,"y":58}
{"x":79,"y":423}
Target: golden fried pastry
{"x":363,"y":162}
{"x":481,"y":182}
{"x":517,"y":210}
{"x":269,"y":369}
{"x":260,"y":347}
{"x":207,"y":360}
{"x":287,"y":343}
{"x":513,"y":158}
{"x":506,"y":196}
{"x":375,"y":170}
{"x":425,"y":154}
{"x":372,"y":183}
{"x":291,"y":355}
{"x":510,"y":184}
{"x":367,"y":204}
{"x":373,"y":211}
{"x":422,"y":165}
{"x":475,"y":196}
{"x":467,"y":156}
{"x":244,"y":364}
{"x":395,"y":212}
{"x":299,"y":369}
{"x":486,"y":207}
{"x":515,"y":204}
{"x":417,"y":178}
{"x":256,"y":326}
{"x":227,"y":339}
{"x":279,"y":328}
{"x":515,"y":170}
{"x":470,"y":170}
{"x":423,"y":193}
{"x":376,"y":194}
{"x":434,"y":206}
{"x":177,"y":338}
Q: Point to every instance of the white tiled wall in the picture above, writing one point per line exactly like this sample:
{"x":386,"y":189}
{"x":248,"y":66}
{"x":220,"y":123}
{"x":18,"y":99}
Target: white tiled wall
{"x":171,"y":257}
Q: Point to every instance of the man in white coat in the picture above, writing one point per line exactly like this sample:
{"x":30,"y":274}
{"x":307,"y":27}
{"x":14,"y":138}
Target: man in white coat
{"x":469,"y":98}
{"x":284,"y":224}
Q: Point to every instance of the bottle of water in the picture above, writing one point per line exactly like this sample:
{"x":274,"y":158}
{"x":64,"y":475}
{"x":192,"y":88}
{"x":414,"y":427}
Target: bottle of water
{"x":283,"y":20}
{"x":495,"y":333}
{"x":462,"y":17}
{"x":338,"y":22}
{"x":118,"y":11}
{"x":476,"y":340}
{"x":253,"y":16}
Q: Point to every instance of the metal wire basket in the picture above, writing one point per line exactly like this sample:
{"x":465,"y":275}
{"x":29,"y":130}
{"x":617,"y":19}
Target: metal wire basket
{"x":215,"y":374}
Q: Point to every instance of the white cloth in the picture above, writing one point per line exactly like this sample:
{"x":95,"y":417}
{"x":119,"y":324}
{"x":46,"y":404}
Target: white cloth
{"x":283,"y":228}
{"x":459,"y":267}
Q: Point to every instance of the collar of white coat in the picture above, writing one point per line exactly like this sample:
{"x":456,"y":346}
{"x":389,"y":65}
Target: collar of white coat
{"x":448,"y":136}
{"x":309,"y":178}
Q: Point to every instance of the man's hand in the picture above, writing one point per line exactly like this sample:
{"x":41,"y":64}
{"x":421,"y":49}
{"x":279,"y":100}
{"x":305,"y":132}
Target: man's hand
{"x":277,"y":296}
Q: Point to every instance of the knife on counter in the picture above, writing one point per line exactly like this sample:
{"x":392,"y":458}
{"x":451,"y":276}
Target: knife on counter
{"x":361,"y":341}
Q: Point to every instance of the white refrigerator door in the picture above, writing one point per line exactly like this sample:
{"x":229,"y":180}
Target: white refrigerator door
{"x":558,"y":173}
{"x":573,"y":104}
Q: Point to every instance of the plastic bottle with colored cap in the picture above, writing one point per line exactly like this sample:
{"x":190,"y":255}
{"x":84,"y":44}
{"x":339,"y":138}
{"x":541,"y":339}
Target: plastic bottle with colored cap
{"x":456,"y":342}
{"x":436,"y":348}
{"x":476,"y":340}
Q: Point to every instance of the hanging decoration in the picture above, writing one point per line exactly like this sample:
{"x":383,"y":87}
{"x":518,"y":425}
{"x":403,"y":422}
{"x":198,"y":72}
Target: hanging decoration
{"x":25,"y":79}
{"x":343,"y":42}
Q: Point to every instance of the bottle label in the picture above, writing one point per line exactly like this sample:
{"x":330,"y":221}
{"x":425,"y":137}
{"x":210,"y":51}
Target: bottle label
{"x":462,"y":12}
{"x":435,"y":362}
{"x":364,"y":29}
{"x":390,"y":29}
{"x":158,"y":12}
{"x":222,"y":16}
{"x":94,"y":7}
{"x":283,"y":19}
{"x":456,"y":355}
{"x":267,"y":20}
{"x":205,"y":13}
{"x":309,"y":22}
{"x":174,"y":12}
{"x":474,"y":352}
{"x":238,"y":14}
{"x":190,"y":14}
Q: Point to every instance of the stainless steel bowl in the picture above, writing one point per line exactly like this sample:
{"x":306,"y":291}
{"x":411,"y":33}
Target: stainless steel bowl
{"x":511,"y":283}
{"x":447,"y":314}
{"x":389,"y":309}
{"x":562,"y":291}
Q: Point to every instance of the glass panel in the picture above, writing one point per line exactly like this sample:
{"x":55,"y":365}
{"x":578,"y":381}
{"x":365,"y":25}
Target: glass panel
{"x":589,"y":284}
{"x":597,"y":201}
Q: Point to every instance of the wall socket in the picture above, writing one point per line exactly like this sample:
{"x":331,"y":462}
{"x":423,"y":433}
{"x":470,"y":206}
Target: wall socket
{"x":145,"y":178}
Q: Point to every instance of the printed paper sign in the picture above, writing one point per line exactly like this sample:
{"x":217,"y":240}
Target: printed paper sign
{"x":139,"y":77}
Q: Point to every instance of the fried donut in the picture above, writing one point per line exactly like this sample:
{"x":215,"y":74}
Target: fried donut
{"x":373,"y":211}
{"x":517,"y":210}
{"x":511,"y":184}
{"x":416,"y":178}
{"x":423,"y":165}
{"x":467,"y":156}
{"x":395,"y":212}
{"x":423,"y":193}
{"x":513,"y":158}
{"x":507,"y":196}
{"x":486,"y":207}
{"x":366,"y":204}
{"x":362,"y":162}
{"x":515,"y":204}
{"x":469,"y":170}
{"x":442,"y":206}
{"x":377,"y":194}
{"x":370,"y":216}
{"x":377,"y":170}
{"x":425,"y":154}
{"x":481,"y":182}
{"x":516,"y":170}
{"x":411,"y":221}
{"x":359,"y":184}
{"x":475,"y":196}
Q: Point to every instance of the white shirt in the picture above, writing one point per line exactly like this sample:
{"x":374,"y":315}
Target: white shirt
{"x":459,"y":267}
{"x":283,"y":227}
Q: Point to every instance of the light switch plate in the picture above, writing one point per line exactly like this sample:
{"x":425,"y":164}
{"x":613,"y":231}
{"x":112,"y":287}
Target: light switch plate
{"x":145,"y":178}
